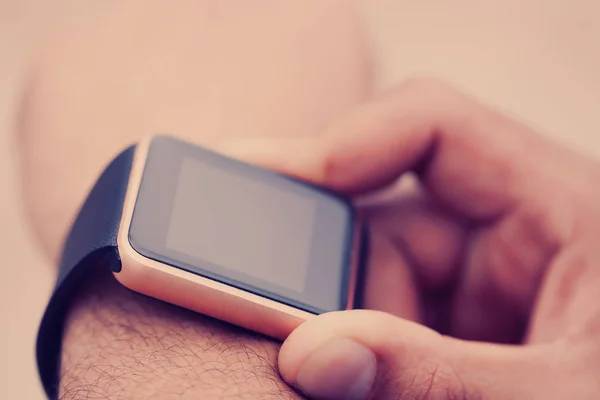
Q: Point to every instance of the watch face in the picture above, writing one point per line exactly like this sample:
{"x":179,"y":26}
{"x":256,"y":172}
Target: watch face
{"x":244,"y":226}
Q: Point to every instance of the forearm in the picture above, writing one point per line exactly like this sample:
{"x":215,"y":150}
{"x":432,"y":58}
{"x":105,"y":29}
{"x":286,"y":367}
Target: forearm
{"x":119,"y":344}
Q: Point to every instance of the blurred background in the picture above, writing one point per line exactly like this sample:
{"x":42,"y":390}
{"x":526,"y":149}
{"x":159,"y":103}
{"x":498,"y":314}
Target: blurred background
{"x":537,"y":59}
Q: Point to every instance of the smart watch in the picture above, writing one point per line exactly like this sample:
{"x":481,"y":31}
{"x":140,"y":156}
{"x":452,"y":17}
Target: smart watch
{"x":194,"y":228}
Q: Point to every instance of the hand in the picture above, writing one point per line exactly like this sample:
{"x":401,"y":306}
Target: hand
{"x":489,"y":273}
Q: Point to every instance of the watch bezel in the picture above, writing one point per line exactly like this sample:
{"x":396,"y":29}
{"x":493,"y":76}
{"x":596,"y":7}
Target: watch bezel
{"x":202,"y":294}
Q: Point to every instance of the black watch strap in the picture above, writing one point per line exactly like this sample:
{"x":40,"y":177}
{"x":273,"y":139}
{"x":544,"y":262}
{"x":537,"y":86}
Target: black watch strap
{"x":91,"y":243}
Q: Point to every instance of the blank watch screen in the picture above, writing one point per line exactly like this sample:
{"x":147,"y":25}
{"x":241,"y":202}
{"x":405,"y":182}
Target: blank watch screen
{"x":244,"y":226}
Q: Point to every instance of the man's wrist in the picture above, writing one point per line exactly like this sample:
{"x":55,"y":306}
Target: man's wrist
{"x":119,"y":344}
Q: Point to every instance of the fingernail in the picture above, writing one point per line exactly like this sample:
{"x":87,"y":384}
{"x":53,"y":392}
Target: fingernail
{"x":338,"y":369}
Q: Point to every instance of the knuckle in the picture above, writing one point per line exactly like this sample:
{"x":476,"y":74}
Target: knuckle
{"x":517,"y":251}
{"x":328,"y":169}
{"x":427,"y":381}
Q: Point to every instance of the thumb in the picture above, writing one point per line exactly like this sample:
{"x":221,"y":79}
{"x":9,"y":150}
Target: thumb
{"x":361,"y":354}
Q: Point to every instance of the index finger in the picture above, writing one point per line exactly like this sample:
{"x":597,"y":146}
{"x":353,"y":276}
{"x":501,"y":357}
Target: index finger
{"x":473,"y":159}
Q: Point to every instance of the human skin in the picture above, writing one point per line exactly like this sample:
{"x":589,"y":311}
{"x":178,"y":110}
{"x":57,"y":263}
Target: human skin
{"x":483,"y":175}
{"x":503,"y":227}
{"x":204,"y":71}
